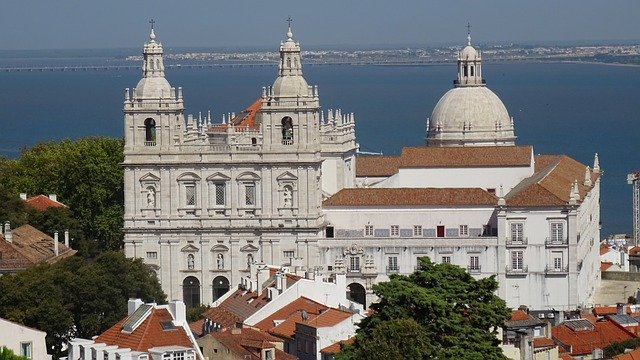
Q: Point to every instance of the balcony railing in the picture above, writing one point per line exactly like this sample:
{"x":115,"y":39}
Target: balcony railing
{"x":523,"y":241}
{"x":556,"y":242}
{"x":393,"y":269}
{"x":556,"y":270}
{"x":474,"y":269}
{"x":150,"y":143}
{"x":287,"y":141}
{"x":510,"y":270}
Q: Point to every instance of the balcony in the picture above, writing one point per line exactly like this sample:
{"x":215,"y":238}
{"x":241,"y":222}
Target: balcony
{"x":287,"y":141}
{"x":393,"y":270}
{"x":150,"y":143}
{"x":555,"y":242}
{"x":517,"y":271}
{"x":517,"y":242}
{"x":474,"y":269}
{"x":552,"y":270}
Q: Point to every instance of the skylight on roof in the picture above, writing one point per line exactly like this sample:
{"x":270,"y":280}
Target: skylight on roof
{"x":136,"y":318}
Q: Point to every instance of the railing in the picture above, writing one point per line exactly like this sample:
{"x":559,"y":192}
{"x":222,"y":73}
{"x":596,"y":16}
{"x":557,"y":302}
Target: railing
{"x":556,"y":242}
{"x":557,"y":270}
{"x":149,"y":143}
{"x":517,"y":242}
{"x":393,"y":269}
{"x":510,"y":270}
{"x":474,"y":269}
{"x":287,"y":141}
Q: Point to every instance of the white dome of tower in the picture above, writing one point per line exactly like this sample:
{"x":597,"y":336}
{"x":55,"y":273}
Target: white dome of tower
{"x":290,"y":82}
{"x":153,"y":84}
{"x":470,"y":114}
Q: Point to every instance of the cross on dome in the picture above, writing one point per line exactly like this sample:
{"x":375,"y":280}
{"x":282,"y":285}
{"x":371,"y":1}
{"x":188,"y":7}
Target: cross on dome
{"x":289,"y":33}
{"x":468,"y":34}
{"x":152,"y":35}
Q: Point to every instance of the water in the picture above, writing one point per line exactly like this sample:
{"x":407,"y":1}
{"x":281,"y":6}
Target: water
{"x":573,"y":109}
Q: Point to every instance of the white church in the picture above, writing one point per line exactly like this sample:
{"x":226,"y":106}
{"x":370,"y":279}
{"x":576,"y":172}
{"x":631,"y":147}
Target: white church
{"x":281,"y":183}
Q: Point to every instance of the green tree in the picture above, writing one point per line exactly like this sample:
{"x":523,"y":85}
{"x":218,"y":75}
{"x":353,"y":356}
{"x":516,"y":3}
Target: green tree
{"x":440,"y":311}
{"x":7,"y":354}
{"x":77,"y":297}
{"x":87,"y":176}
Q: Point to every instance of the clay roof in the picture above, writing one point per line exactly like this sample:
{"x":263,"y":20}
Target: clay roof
{"x":292,"y":309}
{"x":605,"y":265}
{"x":608,"y":310}
{"x":604,"y":248}
{"x":30,"y":246}
{"x":634,"y":250}
{"x":327,"y":318}
{"x":583,"y":342}
{"x":244,"y":119}
{"x":42,"y":202}
{"x":444,"y":157}
{"x":632,"y":355}
{"x":566,"y":357}
{"x":335,"y":347}
{"x":520,"y":319}
{"x":411,"y":197}
{"x":550,"y":185}
{"x":148,"y":334}
{"x":247,"y":342}
{"x":543,"y":342}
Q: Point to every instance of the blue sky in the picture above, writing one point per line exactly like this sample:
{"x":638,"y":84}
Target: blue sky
{"x":80,"y":24}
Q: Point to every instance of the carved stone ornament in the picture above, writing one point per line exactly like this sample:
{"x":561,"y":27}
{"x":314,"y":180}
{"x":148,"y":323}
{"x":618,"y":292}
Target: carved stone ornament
{"x":354,"y":250}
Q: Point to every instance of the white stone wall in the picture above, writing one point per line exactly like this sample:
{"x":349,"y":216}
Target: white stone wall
{"x":14,"y":335}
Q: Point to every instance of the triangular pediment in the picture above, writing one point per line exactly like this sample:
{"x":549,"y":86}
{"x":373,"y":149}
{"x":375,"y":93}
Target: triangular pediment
{"x":149,"y":177}
{"x":286,"y":176}
{"x":218,"y":177}
{"x":247,"y":175}
{"x":249,"y":248}
{"x":189,"y":248}
{"x":219,"y":247}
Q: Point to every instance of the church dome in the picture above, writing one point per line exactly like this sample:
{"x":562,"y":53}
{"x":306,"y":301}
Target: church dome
{"x":290,"y":86}
{"x":153,"y":88}
{"x":469,"y":52}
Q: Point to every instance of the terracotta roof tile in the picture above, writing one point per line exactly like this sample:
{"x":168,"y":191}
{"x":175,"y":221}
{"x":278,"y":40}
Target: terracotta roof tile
{"x":377,"y":166}
{"x":519,"y":315}
{"x":247,"y":342}
{"x":521,"y":319}
{"x":632,"y":355}
{"x":42,"y":202}
{"x":411,"y":197}
{"x":605,"y":265}
{"x":584,"y":341}
{"x":292,"y":309}
{"x":335,"y":347}
{"x":148,"y":334}
{"x":543,"y":342}
{"x":634,"y":250}
{"x":604,"y":249}
{"x":31,"y":246}
{"x":244,"y":119}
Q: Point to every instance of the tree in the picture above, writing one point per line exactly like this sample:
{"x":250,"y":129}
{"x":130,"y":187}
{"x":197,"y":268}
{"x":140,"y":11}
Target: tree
{"x":7,"y":354}
{"x":440,"y":312}
{"x":77,"y":297}
{"x":87,"y":176}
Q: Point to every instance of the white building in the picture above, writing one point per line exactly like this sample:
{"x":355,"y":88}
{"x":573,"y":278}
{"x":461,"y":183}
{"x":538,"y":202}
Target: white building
{"x":279,"y":183}
{"x":23,"y":341}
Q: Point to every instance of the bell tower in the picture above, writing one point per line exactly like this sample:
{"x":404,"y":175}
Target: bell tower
{"x":153,"y":111}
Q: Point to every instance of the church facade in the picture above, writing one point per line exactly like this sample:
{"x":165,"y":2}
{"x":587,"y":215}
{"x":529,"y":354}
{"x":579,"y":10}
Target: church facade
{"x":280,"y":183}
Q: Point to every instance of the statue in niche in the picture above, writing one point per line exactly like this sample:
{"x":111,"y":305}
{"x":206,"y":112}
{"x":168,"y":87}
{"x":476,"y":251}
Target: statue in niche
{"x":151,"y":197}
{"x":190,"y":261}
{"x":287,"y":196}
{"x":249,"y":260}
{"x":220,"y":261}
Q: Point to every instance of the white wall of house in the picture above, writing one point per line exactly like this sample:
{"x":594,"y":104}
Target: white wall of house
{"x":23,"y":340}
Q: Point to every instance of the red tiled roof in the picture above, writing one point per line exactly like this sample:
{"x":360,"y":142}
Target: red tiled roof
{"x":30,"y":246}
{"x":42,"y":202}
{"x":543,"y":342}
{"x":292,"y":309}
{"x":148,"y":334}
{"x":327,"y":318}
{"x":634,"y":250}
{"x":444,"y":157}
{"x":566,"y":357}
{"x":608,"y":310}
{"x":411,"y":196}
{"x":583,"y":342}
{"x":604,"y":248}
{"x":632,"y":355}
{"x":519,"y":315}
{"x":335,"y":347}
{"x":244,"y":119}
{"x":551,"y":185}
{"x":605,"y":265}
{"x":247,"y":342}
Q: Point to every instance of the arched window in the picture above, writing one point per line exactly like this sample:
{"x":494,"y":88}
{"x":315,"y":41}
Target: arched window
{"x":151,"y":64}
{"x":220,"y":287}
{"x":254,"y":141}
{"x":190,"y":261}
{"x":471,"y":70}
{"x":191,"y":291}
{"x":357,"y":293}
{"x":287,"y":131}
{"x":150,"y":132}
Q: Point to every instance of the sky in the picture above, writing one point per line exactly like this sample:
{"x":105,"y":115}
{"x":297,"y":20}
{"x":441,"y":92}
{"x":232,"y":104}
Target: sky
{"x":88,"y":24}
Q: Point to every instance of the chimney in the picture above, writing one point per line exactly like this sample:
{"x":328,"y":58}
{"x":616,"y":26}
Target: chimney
{"x":620,"y":309}
{"x":53,"y":197}
{"x":23,"y":196}
{"x":133,"y":305}
{"x":261,"y":277}
{"x":66,"y":238}
{"x":179,"y":312}
{"x":55,"y":243}
{"x":7,"y":232}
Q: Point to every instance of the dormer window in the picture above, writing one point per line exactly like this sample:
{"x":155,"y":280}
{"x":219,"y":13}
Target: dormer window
{"x":149,"y":132}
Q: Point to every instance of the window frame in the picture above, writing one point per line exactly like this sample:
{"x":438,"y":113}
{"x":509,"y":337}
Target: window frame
{"x":463,"y":230}
{"x":517,"y":260}
{"x":516,"y":230}
{"x":368,"y":230}
{"x":395,"y":230}
{"x":417,"y":230}
{"x":354,"y":264}
{"x":556,"y":229}
{"x":29,"y":348}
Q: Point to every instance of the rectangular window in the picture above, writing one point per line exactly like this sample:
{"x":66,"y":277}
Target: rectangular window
{"x":220,"y":198}
{"x":190,"y":195}
{"x":417,"y":230}
{"x":152,"y":255}
{"x":26,"y":349}
{"x":105,"y":355}
{"x":464,"y":230}
{"x":368,"y":230}
{"x":395,"y":230}
{"x":557,"y":260}
{"x":446,"y":259}
{"x":557,"y":232}
{"x":289,"y":254}
{"x":393,"y":263}
{"x":517,"y":232}
{"x":517,"y":260}
{"x":250,"y":194}
{"x":178,"y":356}
{"x":474,"y":263}
{"x":440,"y":231}
{"x":329,"y":232}
{"x":354,"y":263}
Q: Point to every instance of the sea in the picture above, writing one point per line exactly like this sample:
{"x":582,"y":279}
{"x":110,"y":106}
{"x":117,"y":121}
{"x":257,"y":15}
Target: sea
{"x":576,"y":109}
